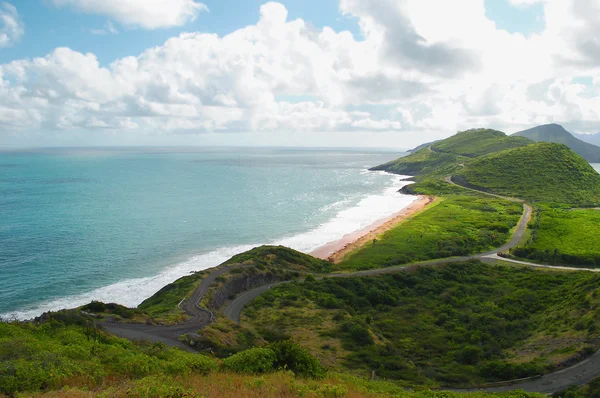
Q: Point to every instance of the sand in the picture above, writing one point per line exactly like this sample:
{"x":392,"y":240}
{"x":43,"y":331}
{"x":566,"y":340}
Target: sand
{"x":336,"y":251}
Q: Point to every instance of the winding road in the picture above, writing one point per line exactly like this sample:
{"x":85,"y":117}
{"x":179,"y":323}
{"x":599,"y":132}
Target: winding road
{"x":199,"y":318}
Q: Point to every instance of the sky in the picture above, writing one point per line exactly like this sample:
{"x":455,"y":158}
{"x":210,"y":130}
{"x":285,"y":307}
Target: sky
{"x":325,"y":73}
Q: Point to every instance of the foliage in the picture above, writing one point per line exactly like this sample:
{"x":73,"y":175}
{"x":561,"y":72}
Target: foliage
{"x":281,"y":256}
{"x":163,"y":304}
{"x":253,"y":360}
{"x":51,"y":355}
{"x":563,"y":236}
{"x":456,"y":226}
{"x":557,"y":134}
{"x":423,"y":162}
{"x":539,"y":172}
{"x":478,"y":142}
{"x":290,"y":355}
{"x":442,"y":158}
{"x":463,"y":324}
{"x":273,"y":385}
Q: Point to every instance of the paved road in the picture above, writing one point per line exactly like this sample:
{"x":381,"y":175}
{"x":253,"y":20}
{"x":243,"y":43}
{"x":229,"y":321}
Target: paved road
{"x":198,"y":318}
{"x":580,"y":373}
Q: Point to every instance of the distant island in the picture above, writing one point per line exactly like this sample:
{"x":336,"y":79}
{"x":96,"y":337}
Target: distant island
{"x":482,"y":287}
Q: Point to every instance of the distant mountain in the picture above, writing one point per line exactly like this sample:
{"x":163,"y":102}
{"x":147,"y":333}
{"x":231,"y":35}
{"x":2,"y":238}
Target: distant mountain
{"x":589,"y":138}
{"x":557,"y":134}
{"x":425,"y":145}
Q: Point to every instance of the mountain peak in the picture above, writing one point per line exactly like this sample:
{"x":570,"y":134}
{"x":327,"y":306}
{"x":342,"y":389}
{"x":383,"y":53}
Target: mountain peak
{"x":556,"y":133}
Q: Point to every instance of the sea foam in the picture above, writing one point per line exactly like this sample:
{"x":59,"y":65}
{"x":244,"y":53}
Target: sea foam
{"x":132,"y":292}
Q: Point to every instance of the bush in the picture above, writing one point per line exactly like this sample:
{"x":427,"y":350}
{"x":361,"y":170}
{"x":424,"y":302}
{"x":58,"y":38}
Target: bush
{"x":254,"y":360}
{"x":292,"y":356}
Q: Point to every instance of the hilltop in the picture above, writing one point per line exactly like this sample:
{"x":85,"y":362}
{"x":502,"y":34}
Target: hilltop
{"x":557,"y":134}
{"x":478,"y":142}
{"x":542,"y":172}
{"x":443,"y":157}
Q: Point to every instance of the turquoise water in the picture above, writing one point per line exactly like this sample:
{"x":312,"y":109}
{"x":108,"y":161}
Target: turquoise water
{"x":118,"y":224}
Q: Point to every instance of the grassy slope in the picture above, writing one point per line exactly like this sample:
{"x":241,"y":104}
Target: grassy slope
{"x":557,"y":134}
{"x":561,"y":236}
{"x":456,"y":226}
{"x":445,"y":156}
{"x":61,"y":360}
{"x":461,"y":324}
{"x":423,"y":162}
{"x":163,"y":304}
{"x":282,"y":257}
{"x":539,"y":172}
{"x":478,"y":142}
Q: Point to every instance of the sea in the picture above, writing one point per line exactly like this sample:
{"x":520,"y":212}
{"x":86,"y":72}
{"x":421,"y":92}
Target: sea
{"x":117,"y":224}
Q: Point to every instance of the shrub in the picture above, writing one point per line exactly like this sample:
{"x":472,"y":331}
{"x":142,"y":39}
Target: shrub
{"x":292,"y":356}
{"x":254,"y":360}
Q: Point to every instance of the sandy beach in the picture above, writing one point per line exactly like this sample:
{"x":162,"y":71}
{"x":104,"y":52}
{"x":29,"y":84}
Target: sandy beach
{"x":336,"y":251}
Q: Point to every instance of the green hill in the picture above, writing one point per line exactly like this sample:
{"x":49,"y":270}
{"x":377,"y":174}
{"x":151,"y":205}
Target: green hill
{"x":478,"y":142}
{"x":423,"y":162}
{"x":540,"y":172}
{"x":442,"y":158}
{"x":556,"y":133}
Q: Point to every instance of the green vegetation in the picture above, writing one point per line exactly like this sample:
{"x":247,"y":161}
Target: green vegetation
{"x":442,"y":158}
{"x":423,"y":162}
{"x":54,"y":354}
{"x":478,"y":142}
{"x":563,"y":236}
{"x":542,"y":172}
{"x":590,"y":390}
{"x":280,"y":256}
{"x":557,"y":134}
{"x":455,"y":226}
{"x":462,"y":324}
{"x":72,"y":359}
{"x":163,"y":304}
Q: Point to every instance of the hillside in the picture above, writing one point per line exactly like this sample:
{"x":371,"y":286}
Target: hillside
{"x":540,"y":172}
{"x":442,"y":158}
{"x":423,"y":162}
{"x":478,"y":142}
{"x":557,"y":134}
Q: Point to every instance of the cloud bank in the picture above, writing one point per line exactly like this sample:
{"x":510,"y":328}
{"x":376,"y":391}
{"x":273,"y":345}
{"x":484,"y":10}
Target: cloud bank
{"x":416,"y":73}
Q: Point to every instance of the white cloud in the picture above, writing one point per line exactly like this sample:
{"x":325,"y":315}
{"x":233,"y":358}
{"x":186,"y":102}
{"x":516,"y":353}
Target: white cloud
{"x":415,"y":74}
{"x":108,"y":28}
{"x":146,"y":14}
{"x":11,"y":26}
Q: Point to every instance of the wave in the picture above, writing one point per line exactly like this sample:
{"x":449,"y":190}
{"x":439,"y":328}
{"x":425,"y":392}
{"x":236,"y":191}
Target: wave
{"x":132,"y":292}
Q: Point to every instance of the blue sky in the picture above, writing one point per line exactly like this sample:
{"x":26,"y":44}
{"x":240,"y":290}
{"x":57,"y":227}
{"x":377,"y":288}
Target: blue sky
{"x":387,"y":72}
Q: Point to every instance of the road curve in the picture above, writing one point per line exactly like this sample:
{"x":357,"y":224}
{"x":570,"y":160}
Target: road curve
{"x":198,"y":318}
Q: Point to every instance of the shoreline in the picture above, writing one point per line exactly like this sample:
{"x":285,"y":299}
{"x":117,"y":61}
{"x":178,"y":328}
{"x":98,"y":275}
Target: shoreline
{"x":336,"y":251}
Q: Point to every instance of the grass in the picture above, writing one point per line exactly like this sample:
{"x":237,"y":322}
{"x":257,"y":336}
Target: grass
{"x":163,"y":304}
{"x":65,"y":358}
{"x":454,"y":226}
{"x":462,"y":324}
{"x":276,"y":385}
{"x":280,"y":256}
{"x":423,"y":162}
{"x":478,"y":142}
{"x":563,"y":237}
{"x":541,"y":172}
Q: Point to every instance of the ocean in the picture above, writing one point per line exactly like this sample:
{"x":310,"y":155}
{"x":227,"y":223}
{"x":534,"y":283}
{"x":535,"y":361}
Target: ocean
{"x":117,"y":225}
